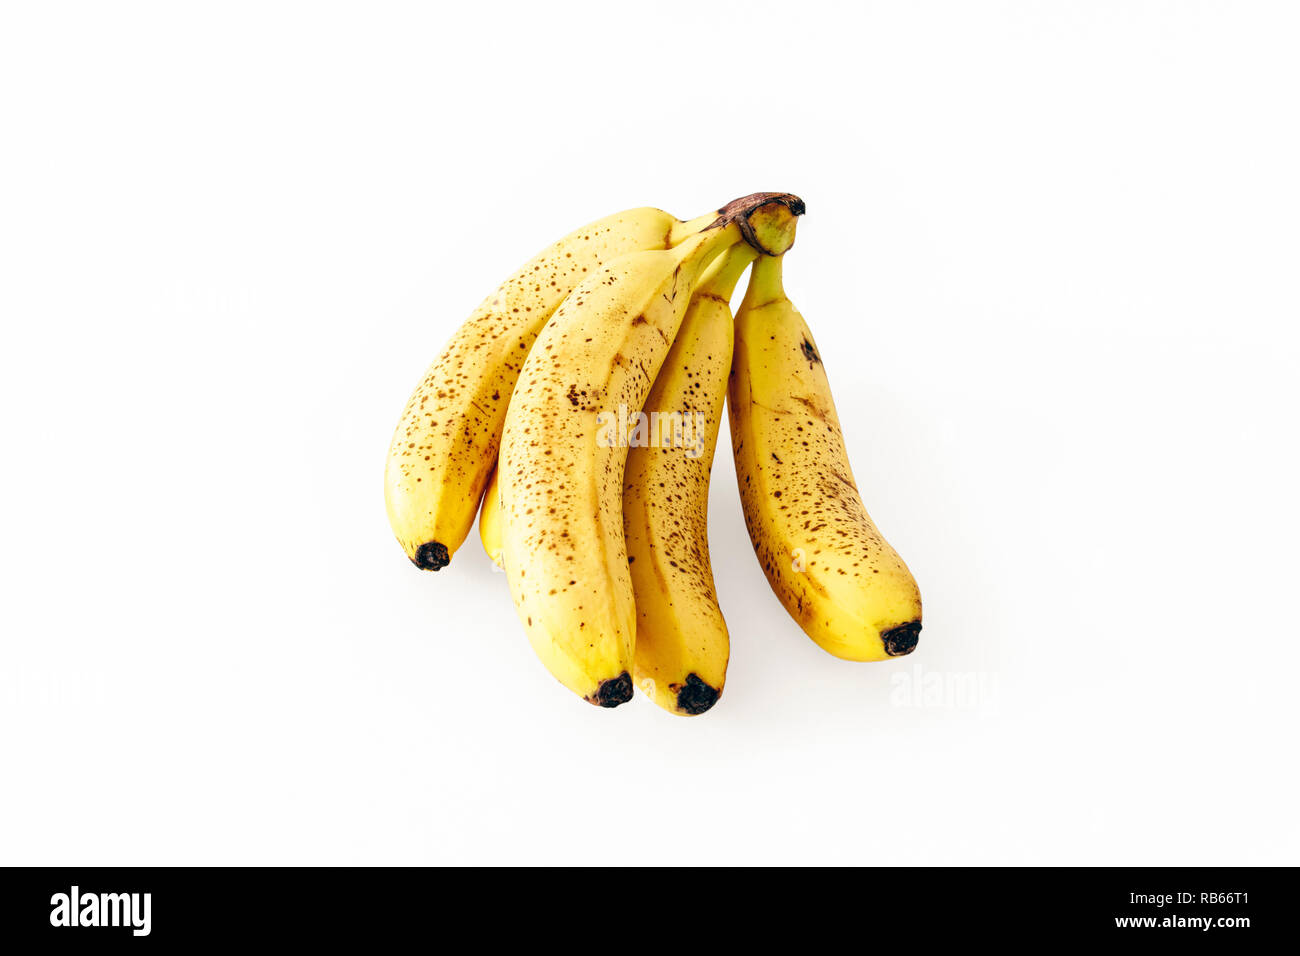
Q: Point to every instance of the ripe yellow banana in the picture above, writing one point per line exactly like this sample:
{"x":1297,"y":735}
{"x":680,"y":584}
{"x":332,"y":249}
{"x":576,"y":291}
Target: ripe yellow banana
{"x":833,"y":571}
{"x":489,"y":520}
{"x":446,"y":442}
{"x":563,"y":452}
{"x":681,"y":638}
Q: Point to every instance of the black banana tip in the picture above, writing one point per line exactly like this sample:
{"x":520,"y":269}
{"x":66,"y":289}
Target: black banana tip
{"x":612,"y":692}
{"x":431,"y":556}
{"x":695,"y":696}
{"x":902,"y":639}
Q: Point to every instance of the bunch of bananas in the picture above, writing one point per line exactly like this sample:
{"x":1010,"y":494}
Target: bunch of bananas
{"x":577,"y":411}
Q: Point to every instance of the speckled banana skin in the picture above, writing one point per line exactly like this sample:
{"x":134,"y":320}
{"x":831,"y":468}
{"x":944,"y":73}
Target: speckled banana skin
{"x":561,"y":485}
{"x":446,"y":442}
{"x":682,"y":644}
{"x":562,"y":475}
{"x":833,"y":571}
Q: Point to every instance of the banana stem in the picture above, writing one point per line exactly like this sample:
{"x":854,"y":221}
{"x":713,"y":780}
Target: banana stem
{"x":682,"y":231}
{"x":697,"y":253}
{"x":726,"y":271}
{"x":764,"y":283}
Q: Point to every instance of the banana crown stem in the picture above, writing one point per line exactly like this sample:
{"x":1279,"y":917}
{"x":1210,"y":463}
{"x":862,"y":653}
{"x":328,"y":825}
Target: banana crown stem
{"x":766,"y":221}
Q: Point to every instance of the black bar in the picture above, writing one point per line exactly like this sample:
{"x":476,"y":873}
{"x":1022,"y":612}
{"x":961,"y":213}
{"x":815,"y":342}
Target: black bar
{"x":371,"y":906}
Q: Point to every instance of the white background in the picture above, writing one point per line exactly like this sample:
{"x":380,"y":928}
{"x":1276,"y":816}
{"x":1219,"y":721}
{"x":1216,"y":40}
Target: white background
{"x":1050,"y":257}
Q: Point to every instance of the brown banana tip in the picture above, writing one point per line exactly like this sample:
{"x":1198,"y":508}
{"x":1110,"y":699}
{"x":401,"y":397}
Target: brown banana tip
{"x":739,"y":210}
{"x":747,"y":204}
{"x":695,"y":696}
{"x":612,"y":692}
{"x":902,"y":639}
{"x":431,"y":556}
{"x":761,"y":225}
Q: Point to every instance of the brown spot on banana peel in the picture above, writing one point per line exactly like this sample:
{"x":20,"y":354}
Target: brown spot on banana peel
{"x":812,"y":407}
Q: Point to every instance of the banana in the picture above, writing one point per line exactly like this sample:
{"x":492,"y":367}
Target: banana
{"x":489,"y":520}
{"x":563,"y":453}
{"x":446,"y":442}
{"x":833,"y":571}
{"x":681,"y":638}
